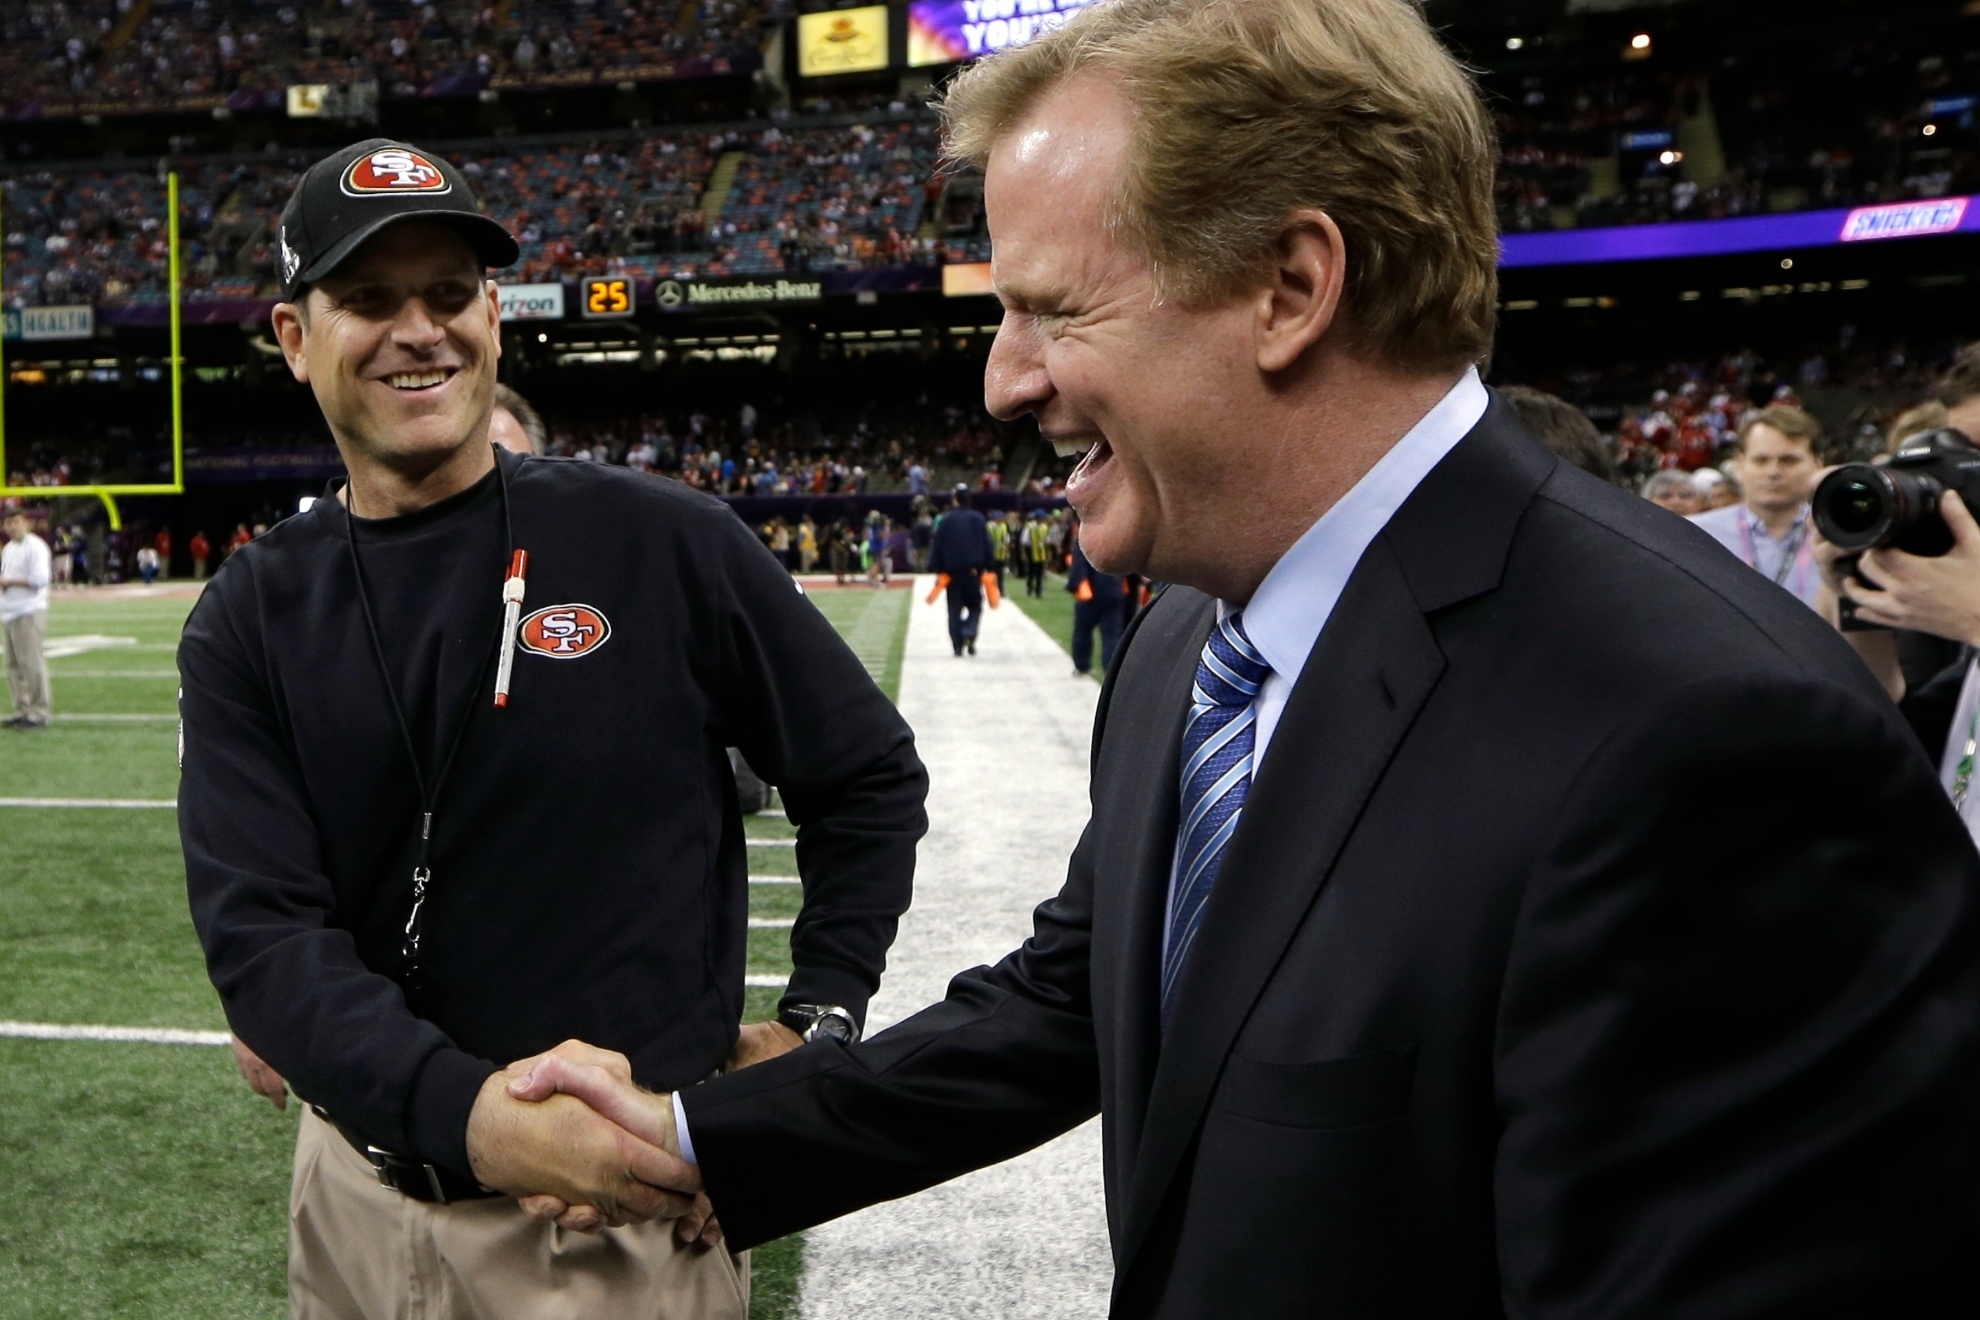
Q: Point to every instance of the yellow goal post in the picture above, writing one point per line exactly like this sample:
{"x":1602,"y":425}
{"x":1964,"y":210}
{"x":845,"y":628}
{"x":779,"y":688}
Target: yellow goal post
{"x":109,"y":492}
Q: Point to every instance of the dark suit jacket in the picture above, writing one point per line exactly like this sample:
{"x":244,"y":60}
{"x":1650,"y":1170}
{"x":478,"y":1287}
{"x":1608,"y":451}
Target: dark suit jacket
{"x":1596,"y":942}
{"x":962,"y":543}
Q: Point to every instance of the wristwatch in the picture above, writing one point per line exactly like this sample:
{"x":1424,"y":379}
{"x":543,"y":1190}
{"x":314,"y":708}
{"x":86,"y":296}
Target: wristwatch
{"x":820,"y":1022}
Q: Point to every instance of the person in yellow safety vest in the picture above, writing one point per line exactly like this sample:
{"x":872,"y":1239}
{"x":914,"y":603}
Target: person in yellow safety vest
{"x":1037,"y":554}
{"x":1000,"y":548}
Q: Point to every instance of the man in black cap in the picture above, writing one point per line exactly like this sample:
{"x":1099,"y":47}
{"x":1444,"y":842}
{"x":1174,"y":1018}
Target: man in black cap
{"x":408,"y":717}
{"x":961,"y":552}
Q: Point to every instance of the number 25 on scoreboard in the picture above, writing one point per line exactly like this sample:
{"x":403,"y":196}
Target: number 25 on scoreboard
{"x":608,"y":297}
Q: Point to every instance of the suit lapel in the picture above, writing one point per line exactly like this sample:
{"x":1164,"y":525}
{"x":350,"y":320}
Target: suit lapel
{"x":1133,"y":869}
{"x":1348,"y":712}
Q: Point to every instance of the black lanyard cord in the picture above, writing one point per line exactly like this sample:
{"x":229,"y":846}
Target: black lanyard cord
{"x":429,"y":798}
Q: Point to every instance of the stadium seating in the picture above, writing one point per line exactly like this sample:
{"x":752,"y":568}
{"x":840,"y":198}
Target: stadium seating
{"x":109,"y":50}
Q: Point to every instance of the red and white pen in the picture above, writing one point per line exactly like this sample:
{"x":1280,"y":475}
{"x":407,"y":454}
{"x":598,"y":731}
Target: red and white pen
{"x":512,"y":599}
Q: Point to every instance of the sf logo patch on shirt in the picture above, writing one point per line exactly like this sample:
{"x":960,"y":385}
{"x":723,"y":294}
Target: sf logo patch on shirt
{"x":394,"y":170}
{"x":565,"y":632}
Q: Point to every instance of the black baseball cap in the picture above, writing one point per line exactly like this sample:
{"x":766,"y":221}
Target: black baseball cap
{"x":344,"y":199}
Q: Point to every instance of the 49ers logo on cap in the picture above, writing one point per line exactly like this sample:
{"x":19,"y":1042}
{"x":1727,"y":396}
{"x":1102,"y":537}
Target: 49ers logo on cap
{"x":565,"y":632}
{"x":394,"y":170}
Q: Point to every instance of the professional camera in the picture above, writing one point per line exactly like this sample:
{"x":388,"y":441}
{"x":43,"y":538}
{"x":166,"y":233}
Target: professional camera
{"x":1862,"y":507}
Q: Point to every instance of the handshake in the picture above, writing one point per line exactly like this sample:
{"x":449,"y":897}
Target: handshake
{"x":575,"y":1140}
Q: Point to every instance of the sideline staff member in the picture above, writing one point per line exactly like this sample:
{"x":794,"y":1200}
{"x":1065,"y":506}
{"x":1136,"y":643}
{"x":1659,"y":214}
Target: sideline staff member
{"x":339,"y":700}
{"x":26,"y":568}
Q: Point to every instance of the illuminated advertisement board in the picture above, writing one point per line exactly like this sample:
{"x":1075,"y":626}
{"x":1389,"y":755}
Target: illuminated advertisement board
{"x":945,"y":31}
{"x":842,"y":41}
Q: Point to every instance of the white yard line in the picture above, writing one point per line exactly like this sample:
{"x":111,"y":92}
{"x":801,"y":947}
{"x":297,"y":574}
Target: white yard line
{"x":771,"y":843}
{"x":771,"y":923}
{"x":1005,"y":736}
{"x":116,"y":673}
{"x":139,"y":1035}
{"x":61,"y":718}
{"x":775,"y":880}
{"x":114,"y":804}
{"x":767,"y":982}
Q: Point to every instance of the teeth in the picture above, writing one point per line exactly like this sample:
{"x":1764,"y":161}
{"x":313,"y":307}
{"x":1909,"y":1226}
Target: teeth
{"x":1075,"y":446}
{"x":415,"y":380}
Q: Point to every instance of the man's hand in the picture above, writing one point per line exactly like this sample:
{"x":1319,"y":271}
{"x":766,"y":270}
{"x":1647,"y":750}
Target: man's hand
{"x":564,"y":1148}
{"x":261,"y":1078}
{"x":1937,"y":595}
{"x":761,"y":1042}
{"x":647,"y":1115}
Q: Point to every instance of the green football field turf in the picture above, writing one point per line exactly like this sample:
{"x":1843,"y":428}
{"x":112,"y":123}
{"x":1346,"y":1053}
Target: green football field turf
{"x":147,"y":1180}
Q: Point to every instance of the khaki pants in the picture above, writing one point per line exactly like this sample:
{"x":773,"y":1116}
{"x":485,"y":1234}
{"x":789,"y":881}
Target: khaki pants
{"x":359,"y":1251}
{"x":27,"y":667}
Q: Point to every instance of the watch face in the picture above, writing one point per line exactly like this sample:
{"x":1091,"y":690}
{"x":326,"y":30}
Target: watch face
{"x":832,"y":1026}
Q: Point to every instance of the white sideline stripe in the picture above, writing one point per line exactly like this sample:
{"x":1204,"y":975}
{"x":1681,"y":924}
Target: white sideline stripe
{"x":115,"y":719}
{"x":767,"y":982}
{"x":775,"y":880}
{"x":771,"y":923}
{"x":58,"y":648}
{"x":120,"y":673}
{"x":120,"y":804}
{"x":771,"y":843}
{"x":140,"y":1035}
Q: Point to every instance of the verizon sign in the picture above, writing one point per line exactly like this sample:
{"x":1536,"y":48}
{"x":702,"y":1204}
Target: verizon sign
{"x":532,"y":302}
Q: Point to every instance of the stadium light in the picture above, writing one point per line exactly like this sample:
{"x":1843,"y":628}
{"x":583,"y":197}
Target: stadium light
{"x":108,"y":492}
{"x":1930,"y":129}
{"x":1669,"y":157}
{"x":1514,"y":43}
{"x":1641,"y":41}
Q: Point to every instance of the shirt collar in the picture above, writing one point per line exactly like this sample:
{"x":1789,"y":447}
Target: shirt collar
{"x":1291,"y":606}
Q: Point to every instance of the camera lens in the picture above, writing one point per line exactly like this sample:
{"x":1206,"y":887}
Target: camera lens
{"x":1855,"y":507}
{"x":1858,"y":506}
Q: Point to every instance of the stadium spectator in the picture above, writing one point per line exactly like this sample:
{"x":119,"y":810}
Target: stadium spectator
{"x":514,"y":425}
{"x":202,"y":552}
{"x":1563,"y":428}
{"x":1675,"y":491}
{"x":1769,"y":529}
{"x":26,"y":569}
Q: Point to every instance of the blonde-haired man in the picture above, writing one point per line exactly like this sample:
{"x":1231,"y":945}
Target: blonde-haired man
{"x":1392,"y":957}
{"x":1769,"y":527}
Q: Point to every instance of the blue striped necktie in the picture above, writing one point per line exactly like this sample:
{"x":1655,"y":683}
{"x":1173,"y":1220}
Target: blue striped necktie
{"x":1216,"y":775}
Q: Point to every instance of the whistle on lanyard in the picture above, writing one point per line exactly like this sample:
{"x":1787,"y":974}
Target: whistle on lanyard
{"x":512,"y":600}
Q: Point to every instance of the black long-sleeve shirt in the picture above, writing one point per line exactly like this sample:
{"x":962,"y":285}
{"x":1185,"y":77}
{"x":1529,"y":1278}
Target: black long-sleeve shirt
{"x":588,"y":862}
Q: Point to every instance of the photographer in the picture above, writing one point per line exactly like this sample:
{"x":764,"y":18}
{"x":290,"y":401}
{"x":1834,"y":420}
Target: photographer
{"x":1939,"y":595}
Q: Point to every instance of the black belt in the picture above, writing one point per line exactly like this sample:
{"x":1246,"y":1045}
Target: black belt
{"x":408,"y":1176}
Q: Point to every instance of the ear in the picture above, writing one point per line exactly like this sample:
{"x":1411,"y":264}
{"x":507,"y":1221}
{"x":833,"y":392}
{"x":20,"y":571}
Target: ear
{"x":493,"y":297}
{"x":1302,"y":293}
{"x":286,"y":318}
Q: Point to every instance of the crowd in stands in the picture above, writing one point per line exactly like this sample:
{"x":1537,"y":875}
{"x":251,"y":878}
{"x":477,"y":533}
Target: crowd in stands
{"x":1840,"y":123}
{"x":1683,"y":415}
{"x":803,"y":199}
{"x":117,"y":50}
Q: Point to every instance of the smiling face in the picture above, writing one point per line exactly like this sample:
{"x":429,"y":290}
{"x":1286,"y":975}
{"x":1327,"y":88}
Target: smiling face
{"x":1089,"y":348}
{"x":399,"y":344}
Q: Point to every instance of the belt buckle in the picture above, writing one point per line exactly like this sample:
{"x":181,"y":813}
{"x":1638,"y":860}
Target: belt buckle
{"x":389,"y":1166}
